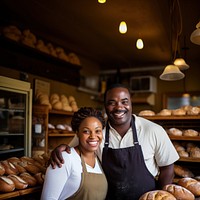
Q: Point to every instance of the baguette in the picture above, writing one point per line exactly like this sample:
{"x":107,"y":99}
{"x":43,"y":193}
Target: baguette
{"x":19,"y":182}
{"x":179,"y":192}
{"x":6,"y":184}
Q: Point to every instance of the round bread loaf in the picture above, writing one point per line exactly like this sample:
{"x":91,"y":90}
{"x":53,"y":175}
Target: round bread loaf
{"x":191,"y":184}
{"x":193,"y":111}
{"x":195,"y":152}
{"x":178,"y":112}
{"x":190,"y":132}
{"x":19,"y":182}
{"x":157,"y":195}
{"x":175,"y":132}
{"x":183,"y":154}
{"x":165,"y":112}
{"x":179,"y":192}
{"x":6,"y":184}
{"x":146,"y":113}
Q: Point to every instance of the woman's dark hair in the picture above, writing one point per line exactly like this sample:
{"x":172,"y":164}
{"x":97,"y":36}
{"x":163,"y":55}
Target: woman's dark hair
{"x":83,"y":113}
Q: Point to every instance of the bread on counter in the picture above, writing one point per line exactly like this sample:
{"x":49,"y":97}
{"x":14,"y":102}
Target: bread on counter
{"x":179,"y":192}
{"x":157,"y":195}
{"x":191,"y":184}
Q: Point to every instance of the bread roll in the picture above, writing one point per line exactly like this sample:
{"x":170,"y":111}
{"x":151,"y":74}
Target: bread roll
{"x":146,"y":113}
{"x":19,"y":182}
{"x":179,"y":192}
{"x":182,"y":171}
{"x":178,"y":112}
{"x":175,"y":132}
{"x":165,"y":112}
{"x":190,"y":132}
{"x":6,"y":184}
{"x":30,"y":167}
{"x":193,"y":111}
{"x":157,"y":195}
{"x":191,"y":184}
{"x":183,"y":154}
{"x":195,"y":152}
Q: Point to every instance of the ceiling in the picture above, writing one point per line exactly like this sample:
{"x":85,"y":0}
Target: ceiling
{"x":90,"y":29}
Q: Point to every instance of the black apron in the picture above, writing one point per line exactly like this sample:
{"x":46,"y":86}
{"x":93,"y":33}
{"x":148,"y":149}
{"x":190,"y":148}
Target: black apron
{"x":126,"y":172}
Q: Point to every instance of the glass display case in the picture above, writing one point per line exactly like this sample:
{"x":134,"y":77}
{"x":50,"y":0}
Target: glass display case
{"x":15,"y":118}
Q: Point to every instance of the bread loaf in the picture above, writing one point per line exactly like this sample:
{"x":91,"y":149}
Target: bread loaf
{"x":191,"y":184}
{"x":146,"y":113}
{"x":165,"y":112}
{"x":9,"y":167}
{"x":28,"y":178}
{"x":175,"y":132}
{"x":178,"y":112}
{"x":6,"y":184}
{"x":19,"y":182}
{"x":157,"y":195}
{"x":179,"y":192}
{"x":182,"y":171}
{"x":190,"y":132}
{"x":2,"y":170}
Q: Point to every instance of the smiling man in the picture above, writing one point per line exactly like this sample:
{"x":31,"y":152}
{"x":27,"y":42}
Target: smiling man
{"x":133,"y":151}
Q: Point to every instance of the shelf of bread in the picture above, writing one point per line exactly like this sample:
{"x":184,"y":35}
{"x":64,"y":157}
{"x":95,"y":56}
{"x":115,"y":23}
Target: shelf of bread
{"x":62,"y":134}
{"x":20,"y":192}
{"x":167,"y":118}
{"x":61,"y":112}
{"x":189,"y":159}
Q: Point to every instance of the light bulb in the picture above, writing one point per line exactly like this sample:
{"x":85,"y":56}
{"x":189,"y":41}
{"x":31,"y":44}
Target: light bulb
{"x":102,"y":1}
{"x":123,"y":27}
{"x":139,"y":44}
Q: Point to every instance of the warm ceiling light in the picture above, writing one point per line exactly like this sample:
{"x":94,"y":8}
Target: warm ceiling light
{"x":123,"y":27}
{"x":181,"y":64}
{"x":195,"y":36}
{"x":171,"y":73}
{"x":139,"y":44}
{"x":102,"y":1}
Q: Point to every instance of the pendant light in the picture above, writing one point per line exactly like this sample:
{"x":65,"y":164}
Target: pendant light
{"x":195,"y":36}
{"x":123,"y":27}
{"x":139,"y":44}
{"x":102,"y":1}
{"x":181,"y":64}
{"x":171,"y":73}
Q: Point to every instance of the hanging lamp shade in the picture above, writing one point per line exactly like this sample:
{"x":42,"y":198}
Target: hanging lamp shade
{"x":181,"y":64}
{"x":171,"y":73}
{"x":195,"y":36}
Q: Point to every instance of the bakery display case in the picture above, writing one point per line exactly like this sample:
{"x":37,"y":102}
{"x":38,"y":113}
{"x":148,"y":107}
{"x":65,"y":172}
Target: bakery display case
{"x":15,"y":118}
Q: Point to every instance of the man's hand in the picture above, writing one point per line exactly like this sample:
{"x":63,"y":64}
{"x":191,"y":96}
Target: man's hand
{"x":56,"y":155}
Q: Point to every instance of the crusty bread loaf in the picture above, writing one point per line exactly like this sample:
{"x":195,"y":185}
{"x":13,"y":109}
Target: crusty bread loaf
{"x":179,"y":192}
{"x":146,"y":113}
{"x":18,"y":181}
{"x":191,"y":184}
{"x":165,"y":112}
{"x":40,"y":178}
{"x":193,"y":110}
{"x":175,"y":132}
{"x":190,"y":132}
{"x":182,"y":171}
{"x":6,"y":184}
{"x":157,"y":195}
{"x":195,"y":152}
{"x":28,"y":178}
{"x":179,"y":111}
{"x":9,"y":167}
{"x":183,"y":154}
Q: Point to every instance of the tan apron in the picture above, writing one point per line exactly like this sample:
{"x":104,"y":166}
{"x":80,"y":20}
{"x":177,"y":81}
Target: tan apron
{"x":93,"y":186}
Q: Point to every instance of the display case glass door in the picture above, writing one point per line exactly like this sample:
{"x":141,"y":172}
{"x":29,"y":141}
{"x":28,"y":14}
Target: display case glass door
{"x":15,"y":135}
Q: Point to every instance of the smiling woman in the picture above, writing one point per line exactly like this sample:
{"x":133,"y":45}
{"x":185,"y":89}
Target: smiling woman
{"x":82,"y":176}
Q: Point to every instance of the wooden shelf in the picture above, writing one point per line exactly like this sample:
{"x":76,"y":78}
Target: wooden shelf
{"x":185,"y":138}
{"x":61,"y":134}
{"x":21,"y":57}
{"x":61,"y":112}
{"x":189,"y":159}
{"x":20,"y":192}
{"x":167,"y":118}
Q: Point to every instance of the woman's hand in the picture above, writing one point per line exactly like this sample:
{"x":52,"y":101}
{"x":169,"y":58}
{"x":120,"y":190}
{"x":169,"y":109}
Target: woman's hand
{"x":56,"y":155}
